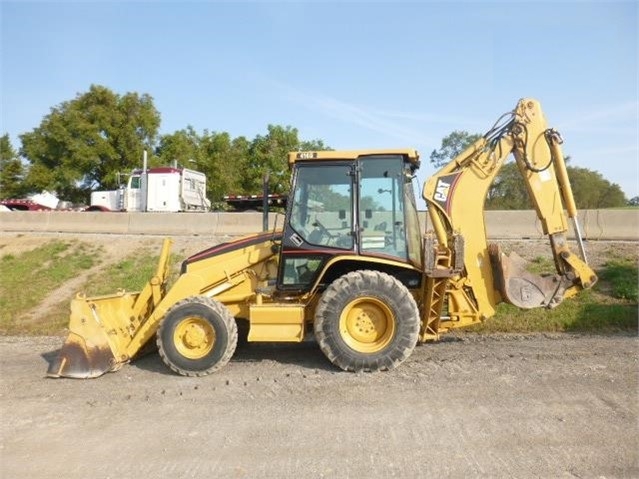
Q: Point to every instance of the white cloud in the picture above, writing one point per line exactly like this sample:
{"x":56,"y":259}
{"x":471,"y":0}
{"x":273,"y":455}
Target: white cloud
{"x":368,"y":118}
{"x":608,"y":119}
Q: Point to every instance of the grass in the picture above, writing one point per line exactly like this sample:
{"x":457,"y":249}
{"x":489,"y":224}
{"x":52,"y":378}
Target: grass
{"x":30,"y":277}
{"x":540,"y":265}
{"x":622,"y":277}
{"x":130,"y":274}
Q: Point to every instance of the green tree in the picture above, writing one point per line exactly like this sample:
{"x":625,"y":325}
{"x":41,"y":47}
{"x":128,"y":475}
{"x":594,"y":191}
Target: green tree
{"x":83,"y":144}
{"x":235,"y":165}
{"x":215,"y":154}
{"x":12,"y":171}
{"x":508,"y":191}
{"x":452,"y":145}
{"x":268,"y":154}
{"x":222,"y":159}
{"x":181,"y":147}
{"x":313,"y":145}
{"x":592,"y":191}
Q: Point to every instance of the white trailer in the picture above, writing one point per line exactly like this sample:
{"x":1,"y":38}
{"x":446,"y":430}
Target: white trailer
{"x":163,"y":189}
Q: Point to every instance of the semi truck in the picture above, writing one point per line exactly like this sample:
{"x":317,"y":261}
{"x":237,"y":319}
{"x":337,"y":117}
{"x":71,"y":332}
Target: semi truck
{"x":168,"y":189}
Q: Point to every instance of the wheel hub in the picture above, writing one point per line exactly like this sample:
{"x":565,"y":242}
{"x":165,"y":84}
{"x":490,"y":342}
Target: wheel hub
{"x":194,"y":338}
{"x":367,"y":325}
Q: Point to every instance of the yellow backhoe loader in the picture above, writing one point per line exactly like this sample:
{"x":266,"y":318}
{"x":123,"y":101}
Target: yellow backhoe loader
{"x":350,"y":264}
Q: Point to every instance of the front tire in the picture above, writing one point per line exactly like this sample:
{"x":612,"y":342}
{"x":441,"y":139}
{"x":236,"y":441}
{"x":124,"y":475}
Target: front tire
{"x":197,"y":336}
{"x":367,"y":321}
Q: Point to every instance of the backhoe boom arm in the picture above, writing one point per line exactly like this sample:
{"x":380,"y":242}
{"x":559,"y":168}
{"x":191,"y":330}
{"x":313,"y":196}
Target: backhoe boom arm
{"x":455,"y":196}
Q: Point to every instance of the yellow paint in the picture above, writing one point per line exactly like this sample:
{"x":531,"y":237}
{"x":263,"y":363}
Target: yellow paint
{"x":411,"y":155}
{"x":277,"y":322}
{"x":194,"y":337}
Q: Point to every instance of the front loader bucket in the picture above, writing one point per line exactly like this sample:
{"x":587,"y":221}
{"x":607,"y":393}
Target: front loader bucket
{"x":99,"y":334}
{"x":522,"y":288}
{"x":102,"y":328}
{"x":81,"y":359}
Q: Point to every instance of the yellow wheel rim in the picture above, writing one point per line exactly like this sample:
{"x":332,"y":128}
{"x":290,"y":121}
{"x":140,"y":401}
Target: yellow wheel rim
{"x":194,"y":338}
{"x":367,"y":325}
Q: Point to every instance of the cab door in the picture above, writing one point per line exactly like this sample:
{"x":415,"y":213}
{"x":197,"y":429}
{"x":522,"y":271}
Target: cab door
{"x":319,"y":221}
{"x":133,"y":200}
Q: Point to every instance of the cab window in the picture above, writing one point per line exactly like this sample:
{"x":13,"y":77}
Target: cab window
{"x":321,"y":213}
{"x":135,"y":182}
{"x":381,"y":215}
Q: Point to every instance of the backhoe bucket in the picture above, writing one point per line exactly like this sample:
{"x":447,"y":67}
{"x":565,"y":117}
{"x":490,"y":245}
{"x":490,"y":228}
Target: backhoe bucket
{"x":102,"y":328}
{"x":97,"y":339}
{"x":522,"y":288}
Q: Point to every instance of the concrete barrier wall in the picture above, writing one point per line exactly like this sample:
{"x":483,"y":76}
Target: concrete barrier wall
{"x":595,"y":224}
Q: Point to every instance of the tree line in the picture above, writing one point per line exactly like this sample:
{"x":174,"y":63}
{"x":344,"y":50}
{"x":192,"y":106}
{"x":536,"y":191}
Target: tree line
{"x":84,"y":144}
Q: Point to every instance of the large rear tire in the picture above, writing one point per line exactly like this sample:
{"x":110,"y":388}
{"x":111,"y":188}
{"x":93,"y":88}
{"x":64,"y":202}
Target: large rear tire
{"x":367,"y":321}
{"x":197,"y":336}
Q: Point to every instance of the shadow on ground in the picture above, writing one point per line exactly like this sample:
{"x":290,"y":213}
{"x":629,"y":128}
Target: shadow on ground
{"x":304,"y":355}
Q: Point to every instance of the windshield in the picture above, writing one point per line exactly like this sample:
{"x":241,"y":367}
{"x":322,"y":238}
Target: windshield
{"x":322,"y":205}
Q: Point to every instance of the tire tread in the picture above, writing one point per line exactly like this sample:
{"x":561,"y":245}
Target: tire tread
{"x":231,"y":328}
{"x":346,"y":288}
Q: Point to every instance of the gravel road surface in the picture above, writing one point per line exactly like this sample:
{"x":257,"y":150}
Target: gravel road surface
{"x":469,"y":406}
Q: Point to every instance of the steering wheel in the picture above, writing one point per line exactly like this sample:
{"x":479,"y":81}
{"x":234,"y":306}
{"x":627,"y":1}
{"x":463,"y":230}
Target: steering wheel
{"x":323,"y":229}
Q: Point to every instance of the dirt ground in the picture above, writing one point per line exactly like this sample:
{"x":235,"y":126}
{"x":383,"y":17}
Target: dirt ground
{"x":490,"y":406}
{"x":469,"y":406}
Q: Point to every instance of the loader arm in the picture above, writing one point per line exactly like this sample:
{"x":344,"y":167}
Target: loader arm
{"x":473,"y":275}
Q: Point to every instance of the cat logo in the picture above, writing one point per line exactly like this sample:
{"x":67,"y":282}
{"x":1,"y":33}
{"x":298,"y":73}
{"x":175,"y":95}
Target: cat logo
{"x":441,"y":191}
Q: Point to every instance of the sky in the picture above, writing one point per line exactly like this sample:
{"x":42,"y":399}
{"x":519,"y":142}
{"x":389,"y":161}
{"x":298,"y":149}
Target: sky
{"x":355,"y":74}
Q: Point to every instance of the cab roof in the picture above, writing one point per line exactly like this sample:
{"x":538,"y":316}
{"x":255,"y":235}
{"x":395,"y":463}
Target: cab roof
{"x":410,"y":154}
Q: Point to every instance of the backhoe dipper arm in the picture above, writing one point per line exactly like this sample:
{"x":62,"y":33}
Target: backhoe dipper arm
{"x":455,"y":196}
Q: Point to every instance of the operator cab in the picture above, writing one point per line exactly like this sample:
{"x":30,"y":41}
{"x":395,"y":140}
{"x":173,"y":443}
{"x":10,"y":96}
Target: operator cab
{"x":348,"y":204}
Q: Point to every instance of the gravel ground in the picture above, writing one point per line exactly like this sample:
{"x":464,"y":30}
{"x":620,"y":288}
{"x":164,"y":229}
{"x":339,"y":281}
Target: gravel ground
{"x":496,"y":406}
